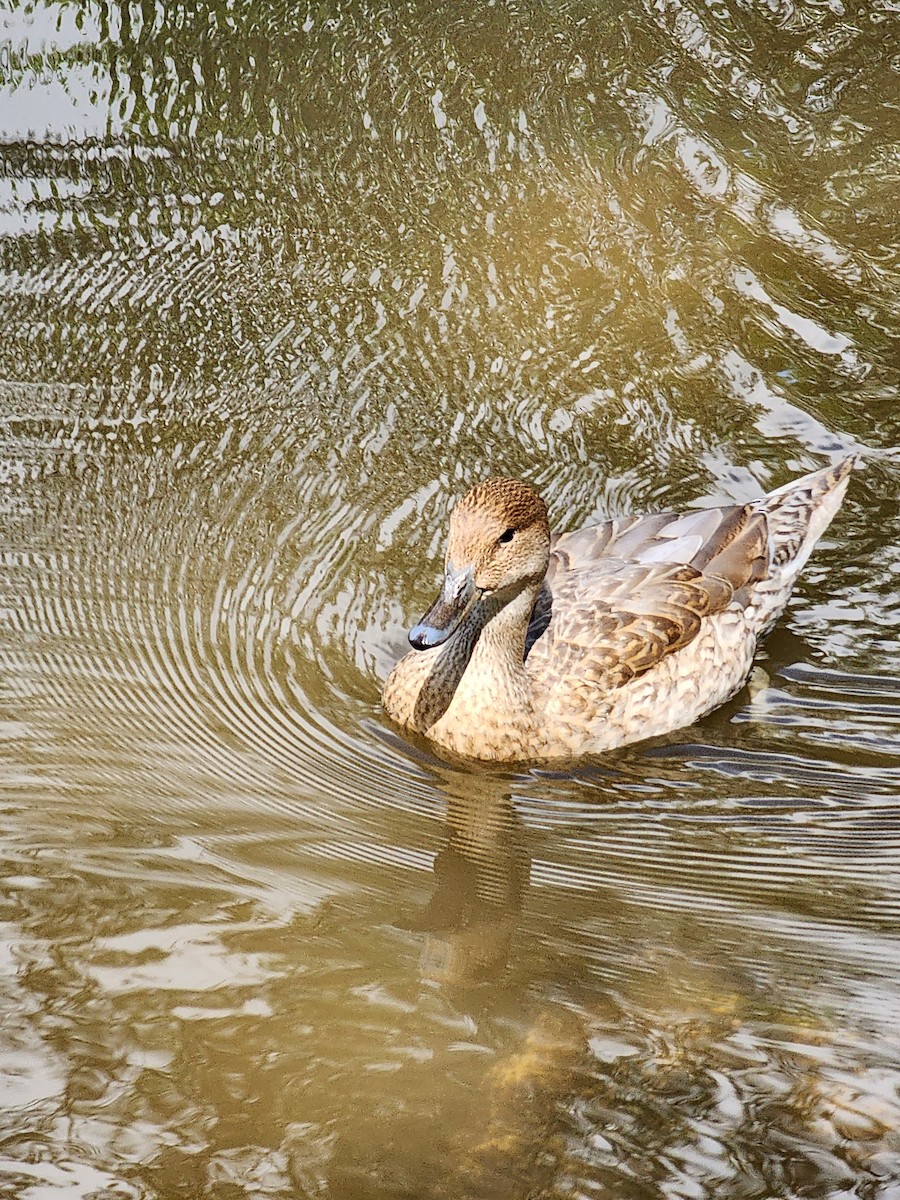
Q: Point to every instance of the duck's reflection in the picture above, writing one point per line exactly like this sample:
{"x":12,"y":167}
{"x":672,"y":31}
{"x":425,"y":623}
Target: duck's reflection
{"x":480,"y":878}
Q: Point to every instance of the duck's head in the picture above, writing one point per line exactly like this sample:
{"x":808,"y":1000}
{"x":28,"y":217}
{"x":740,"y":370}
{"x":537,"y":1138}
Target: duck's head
{"x":499,"y":543}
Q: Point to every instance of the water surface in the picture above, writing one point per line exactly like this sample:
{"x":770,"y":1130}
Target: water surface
{"x":277,"y":283}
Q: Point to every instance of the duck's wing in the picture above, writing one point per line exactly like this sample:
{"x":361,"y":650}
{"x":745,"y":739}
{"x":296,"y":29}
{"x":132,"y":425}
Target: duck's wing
{"x":624,"y":594}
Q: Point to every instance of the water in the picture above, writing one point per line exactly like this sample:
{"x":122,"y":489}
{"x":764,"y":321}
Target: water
{"x":277,"y":284}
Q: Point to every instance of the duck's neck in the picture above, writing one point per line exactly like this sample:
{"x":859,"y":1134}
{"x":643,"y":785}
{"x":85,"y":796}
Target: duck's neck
{"x":481,"y":664}
{"x":500,"y":644}
{"x":494,"y":678}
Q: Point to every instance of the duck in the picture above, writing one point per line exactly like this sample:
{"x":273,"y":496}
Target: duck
{"x":546,"y":646}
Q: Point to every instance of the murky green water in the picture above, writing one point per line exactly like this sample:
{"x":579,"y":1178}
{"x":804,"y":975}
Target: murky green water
{"x":277,"y":283}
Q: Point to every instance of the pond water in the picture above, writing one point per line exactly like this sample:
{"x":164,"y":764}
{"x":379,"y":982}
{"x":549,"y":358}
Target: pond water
{"x":278,"y":283}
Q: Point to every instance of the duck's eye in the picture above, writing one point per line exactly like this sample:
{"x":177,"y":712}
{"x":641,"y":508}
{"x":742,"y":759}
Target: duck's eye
{"x":506,"y":535}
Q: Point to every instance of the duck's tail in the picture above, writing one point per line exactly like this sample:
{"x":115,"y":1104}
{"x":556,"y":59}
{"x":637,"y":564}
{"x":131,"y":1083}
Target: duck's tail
{"x":797,"y":515}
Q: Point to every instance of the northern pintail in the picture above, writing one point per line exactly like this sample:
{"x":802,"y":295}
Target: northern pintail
{"x":545,"y":646}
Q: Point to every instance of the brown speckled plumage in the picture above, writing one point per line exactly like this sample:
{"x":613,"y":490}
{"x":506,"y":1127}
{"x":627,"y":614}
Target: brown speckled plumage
{"x":579,"y":642}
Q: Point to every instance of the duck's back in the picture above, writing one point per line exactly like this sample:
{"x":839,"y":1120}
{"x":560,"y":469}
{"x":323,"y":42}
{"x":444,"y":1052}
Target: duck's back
{"x":649,"y":622}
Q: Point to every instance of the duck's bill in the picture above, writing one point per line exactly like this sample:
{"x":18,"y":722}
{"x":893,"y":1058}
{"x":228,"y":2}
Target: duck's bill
{"x":457,"y":596}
